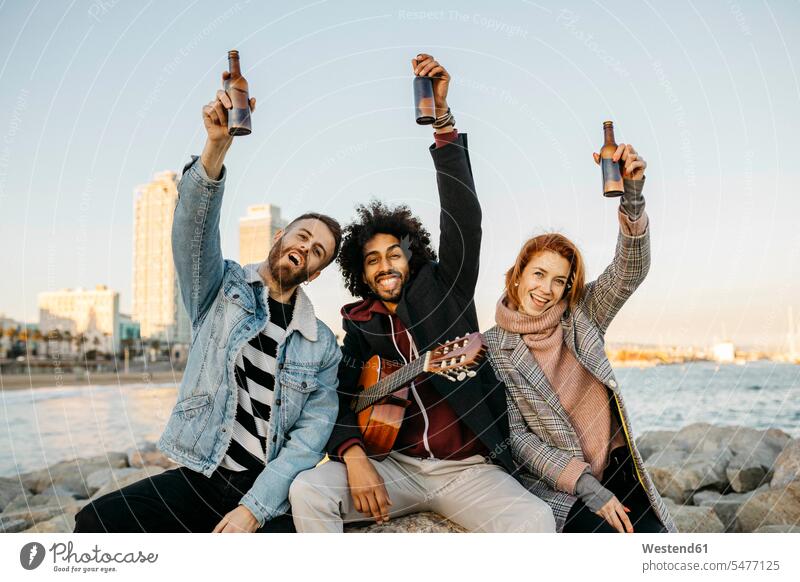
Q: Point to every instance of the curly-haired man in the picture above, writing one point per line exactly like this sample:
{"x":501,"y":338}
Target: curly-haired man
{"x":451,"y":453}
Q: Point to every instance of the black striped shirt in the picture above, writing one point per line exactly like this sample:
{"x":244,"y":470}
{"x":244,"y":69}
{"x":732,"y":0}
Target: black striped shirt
{"x":255,"y":381}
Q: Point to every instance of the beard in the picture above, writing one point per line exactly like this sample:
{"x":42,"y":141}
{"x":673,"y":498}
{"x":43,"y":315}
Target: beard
{"x":390,"y":296}
{"x":286,"y":276}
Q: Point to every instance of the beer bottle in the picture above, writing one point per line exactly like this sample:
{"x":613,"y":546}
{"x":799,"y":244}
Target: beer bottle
{"x":612,"y":173}
{"x":237,"y":90}
{"x":424,"y":106}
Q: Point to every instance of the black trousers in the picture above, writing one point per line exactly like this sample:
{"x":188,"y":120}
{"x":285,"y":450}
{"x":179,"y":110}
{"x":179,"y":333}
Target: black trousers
{"x":179,"y":500}
{"x":620,"y":478}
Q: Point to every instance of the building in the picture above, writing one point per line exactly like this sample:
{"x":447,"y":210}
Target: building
{"x":8,"y":332}
{"x":724,"y":352}
{"x":128,"y":329}
{"x":93,"y":313}
{"x":157,"y":304}
{"x":256,"y":231}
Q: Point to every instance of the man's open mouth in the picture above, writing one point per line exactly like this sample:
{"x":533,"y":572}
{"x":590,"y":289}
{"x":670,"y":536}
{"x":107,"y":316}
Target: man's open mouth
{"x":388,"y":282}
{"x":296,"y":259}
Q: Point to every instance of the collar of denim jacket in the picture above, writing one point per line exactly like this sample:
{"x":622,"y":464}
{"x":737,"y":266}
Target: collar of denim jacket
{"x":304,"y":319}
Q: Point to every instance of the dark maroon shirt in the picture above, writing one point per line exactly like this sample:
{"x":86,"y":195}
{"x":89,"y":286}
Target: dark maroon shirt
{"x":447,"y":436}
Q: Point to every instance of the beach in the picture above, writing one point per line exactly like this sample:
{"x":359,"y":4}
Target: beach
{"x":26,"y":381}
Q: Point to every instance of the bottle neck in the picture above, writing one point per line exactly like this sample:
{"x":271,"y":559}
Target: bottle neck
{"x":608,"y":135}
{"x":233,"y":67}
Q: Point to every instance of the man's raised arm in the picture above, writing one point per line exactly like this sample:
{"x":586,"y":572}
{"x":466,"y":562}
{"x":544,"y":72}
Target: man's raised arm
{"x":460,"y":215}
{"x":196,"y":248}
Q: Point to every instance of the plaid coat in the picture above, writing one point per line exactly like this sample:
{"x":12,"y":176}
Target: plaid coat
{"x":542,"y":438}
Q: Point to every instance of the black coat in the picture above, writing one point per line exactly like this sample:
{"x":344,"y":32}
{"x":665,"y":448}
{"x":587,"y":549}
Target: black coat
{"x":437,"y":305}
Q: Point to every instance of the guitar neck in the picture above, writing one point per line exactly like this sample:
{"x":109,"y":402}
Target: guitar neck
{"x":392,"y":383}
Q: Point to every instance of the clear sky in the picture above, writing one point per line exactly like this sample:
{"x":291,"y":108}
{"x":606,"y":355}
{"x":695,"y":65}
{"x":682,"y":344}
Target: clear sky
{"x":97,"y":96}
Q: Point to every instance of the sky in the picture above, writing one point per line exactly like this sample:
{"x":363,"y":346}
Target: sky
{"x":98,"y":96}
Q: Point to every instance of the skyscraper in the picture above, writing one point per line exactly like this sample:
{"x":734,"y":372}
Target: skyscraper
{"x":256,"y":230}
{"x":157,"y":304}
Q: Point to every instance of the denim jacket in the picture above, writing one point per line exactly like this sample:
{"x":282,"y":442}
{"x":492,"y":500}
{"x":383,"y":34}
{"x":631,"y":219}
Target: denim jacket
{"x":227,"y":306}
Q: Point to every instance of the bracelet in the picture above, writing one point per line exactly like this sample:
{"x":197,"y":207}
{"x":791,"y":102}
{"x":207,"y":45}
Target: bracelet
{"x":444,"y":120}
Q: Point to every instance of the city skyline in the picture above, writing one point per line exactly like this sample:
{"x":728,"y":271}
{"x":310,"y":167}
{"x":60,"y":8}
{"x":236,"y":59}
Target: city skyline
{"x":157,"y":304}
{"x":98,"y":101}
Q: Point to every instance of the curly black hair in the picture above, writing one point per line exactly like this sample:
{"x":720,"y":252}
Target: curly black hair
{"x":377,"y":218}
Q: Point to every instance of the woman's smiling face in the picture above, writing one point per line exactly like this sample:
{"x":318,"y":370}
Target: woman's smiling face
{"x":543,"y":282}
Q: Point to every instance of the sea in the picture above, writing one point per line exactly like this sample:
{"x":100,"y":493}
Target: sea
{"x":43,"y":426}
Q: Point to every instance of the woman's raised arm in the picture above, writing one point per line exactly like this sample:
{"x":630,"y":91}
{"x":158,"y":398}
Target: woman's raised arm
{"x":606,"y":295}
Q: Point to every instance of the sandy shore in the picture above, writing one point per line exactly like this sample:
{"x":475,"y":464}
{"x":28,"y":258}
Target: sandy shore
{"x":24,"y":381}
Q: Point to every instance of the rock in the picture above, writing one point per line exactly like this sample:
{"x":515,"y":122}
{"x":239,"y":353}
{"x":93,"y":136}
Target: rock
{"x":64,"y":523}
{"x":103,"y":477}
{"x":773,"y":506}
{"x":654,"y":441}
{"x":778,"y":529}
{"x":10,"y":488}
{"x":32,"y":501}
{"x":426,"y":522}
{"x":725,"y":506}
{"x":74,"y":507}
{"x":149,"y":455}
{"x":51,"y":496}
{"x":746,"y":477}
{"x":29,"y":517}
{"x":13,"y":526}
{"x":705,"y":496}
{"x":677,"y":474}
{"x":689,"y":519}
{"x":126,"y":480}
{"x":721,"y":457}
{"x":754,"y":451}
{"x":743,"y":442}
{"x":60,"y":491}
{"x":787,"y":465}
{"x":72,"y":474}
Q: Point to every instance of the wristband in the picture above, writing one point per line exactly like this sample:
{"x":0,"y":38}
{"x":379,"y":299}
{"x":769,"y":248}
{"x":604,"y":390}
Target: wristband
{"x":444,"y":120}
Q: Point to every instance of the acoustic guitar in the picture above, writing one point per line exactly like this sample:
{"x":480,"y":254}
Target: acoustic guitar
{"x":381,"y":404}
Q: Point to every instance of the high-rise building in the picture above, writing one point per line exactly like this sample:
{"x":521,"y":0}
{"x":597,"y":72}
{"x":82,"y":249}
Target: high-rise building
{"x":256,"y":230}
{"x":93,"y":313}
{"x":157,"y":304}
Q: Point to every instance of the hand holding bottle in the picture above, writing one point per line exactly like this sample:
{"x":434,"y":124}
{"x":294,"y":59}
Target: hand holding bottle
{"x":633,"y":165}
{"x":426,"y":66}
{"x":215,"y":114}
{"x":218,"y":140}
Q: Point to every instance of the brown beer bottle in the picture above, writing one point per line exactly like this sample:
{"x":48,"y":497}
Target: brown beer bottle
{"x":612,"y":173}
{"x":237,"y":90}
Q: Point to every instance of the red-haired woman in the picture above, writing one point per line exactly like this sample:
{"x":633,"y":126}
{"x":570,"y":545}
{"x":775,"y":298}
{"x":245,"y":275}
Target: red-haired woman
{"x":570,"y":434}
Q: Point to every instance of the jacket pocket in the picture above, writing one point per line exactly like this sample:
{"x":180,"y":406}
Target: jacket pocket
{"x":304,"y":382}
{"x":296,"y":385}
{"x":227,"y":317}
{"x":190,"y":407}
{"x":187,"y":423}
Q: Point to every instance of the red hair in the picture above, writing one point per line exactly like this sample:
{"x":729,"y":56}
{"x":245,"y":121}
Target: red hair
{"x":558,"y":244}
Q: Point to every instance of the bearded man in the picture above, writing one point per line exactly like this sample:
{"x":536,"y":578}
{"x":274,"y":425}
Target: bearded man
{"x":258,"y":398}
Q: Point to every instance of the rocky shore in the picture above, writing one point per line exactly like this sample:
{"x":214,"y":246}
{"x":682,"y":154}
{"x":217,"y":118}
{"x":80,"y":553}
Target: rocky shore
{"x":713,"y":478}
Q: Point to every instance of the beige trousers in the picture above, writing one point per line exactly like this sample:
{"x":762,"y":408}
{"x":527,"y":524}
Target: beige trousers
{"x":473,"y":493}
